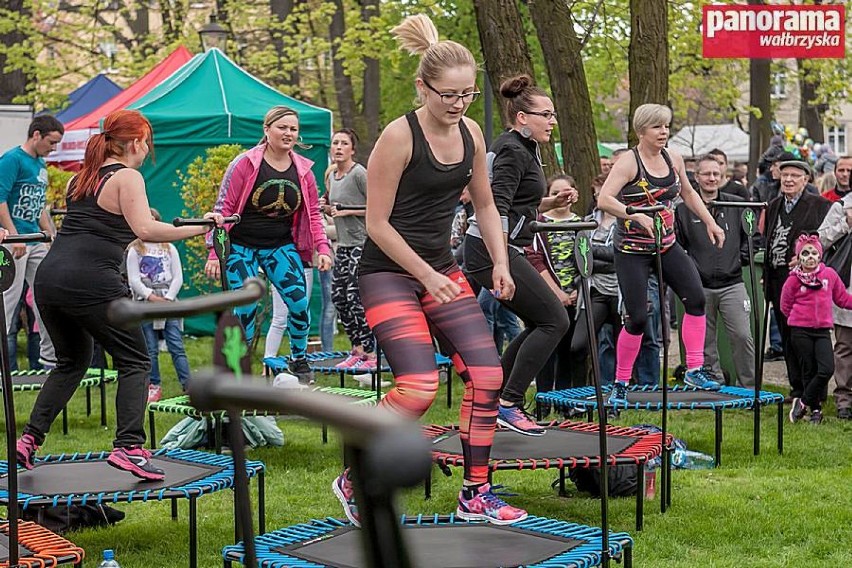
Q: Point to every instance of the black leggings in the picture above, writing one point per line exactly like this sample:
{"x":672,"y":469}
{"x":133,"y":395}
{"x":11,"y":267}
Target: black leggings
{"x":813,"y":349}
{"x":604,"y":310}
{"x":679,"y":273}
{"x":544,"y":316}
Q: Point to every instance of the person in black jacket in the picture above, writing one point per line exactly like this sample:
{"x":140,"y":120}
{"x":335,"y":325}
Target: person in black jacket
{"x":519,"y":184}
{"x":792,"y":213}
{"x":720,"y":271}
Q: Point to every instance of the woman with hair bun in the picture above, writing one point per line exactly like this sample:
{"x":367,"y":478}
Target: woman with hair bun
{"x":519,"y":185}
{"x":81,"y":275}
{"x":410,"y":284}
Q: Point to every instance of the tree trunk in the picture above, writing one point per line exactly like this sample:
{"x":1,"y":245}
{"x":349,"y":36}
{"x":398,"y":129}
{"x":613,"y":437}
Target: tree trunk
{"x":810,"y":112}
{"x":759,"y":130}
{"x":371,"y":99}
{"x":648,"y":56}
{"x":504,"y":46}
{"x":562,"y":55}
{"x":13,"y":83}
{"x":342,"y":81}
{"x":280,"y":9}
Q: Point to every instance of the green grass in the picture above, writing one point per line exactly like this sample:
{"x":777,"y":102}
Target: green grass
{"x":766,"y":511}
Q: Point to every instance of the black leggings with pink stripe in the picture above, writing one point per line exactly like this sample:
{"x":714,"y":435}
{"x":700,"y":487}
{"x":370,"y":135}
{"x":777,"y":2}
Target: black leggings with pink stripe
{"x":404,"y":317}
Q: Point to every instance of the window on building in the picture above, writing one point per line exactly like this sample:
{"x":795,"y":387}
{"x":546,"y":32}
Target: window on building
{"x":778,"y":87}
{"x":837,"y":139}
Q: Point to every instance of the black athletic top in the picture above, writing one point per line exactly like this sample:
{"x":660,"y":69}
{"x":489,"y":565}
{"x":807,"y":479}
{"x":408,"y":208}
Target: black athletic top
{"x":425,"y":204}
{"x":267,"y":219}
{"x":84,"y":264}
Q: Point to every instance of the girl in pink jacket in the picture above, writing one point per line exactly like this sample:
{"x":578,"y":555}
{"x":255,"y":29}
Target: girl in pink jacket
{"x":806,"y":300}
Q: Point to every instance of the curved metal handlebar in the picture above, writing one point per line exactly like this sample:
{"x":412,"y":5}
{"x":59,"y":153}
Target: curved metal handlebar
{"x":58,"y":211}
{"x":631,"y":209}
{"x":340,"y":207}
{"x":537,"y":227}
{"x":181,"y":222}
{"x":739,"y":204}
{"x":40,"y":237}
{"x":396,"y":450}
{"x":127,"y":313}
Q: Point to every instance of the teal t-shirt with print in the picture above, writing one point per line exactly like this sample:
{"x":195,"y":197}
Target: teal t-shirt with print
{"x":23,"y":187}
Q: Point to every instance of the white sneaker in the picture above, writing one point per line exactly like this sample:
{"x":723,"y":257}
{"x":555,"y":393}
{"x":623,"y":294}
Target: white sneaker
{"x":365,"y":381}
{"x":287,"y":381}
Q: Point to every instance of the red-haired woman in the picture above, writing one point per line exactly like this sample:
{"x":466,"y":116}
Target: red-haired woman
{"x":81,"y":276}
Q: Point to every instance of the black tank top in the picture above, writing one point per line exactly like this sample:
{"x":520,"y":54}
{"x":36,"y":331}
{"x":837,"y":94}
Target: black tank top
{"x":425,"y":204}
{"x":84,"y":264}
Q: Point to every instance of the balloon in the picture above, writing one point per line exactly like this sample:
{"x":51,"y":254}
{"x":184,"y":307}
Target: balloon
{"x":798,"y":140}
{"x":817,"y":149}
{"x":776,"y":127}
{"x":788,"y":132}
{"x":809,"y":142}
{"x":803,"y":131}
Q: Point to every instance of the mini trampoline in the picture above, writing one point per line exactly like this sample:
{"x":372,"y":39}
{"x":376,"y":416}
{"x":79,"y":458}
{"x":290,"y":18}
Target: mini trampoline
{"x":23,"y":381}
{"x":441,"y":542}
{"x":87,"y":479}
{"x":38,"y":547}
{"x":325,"y":361}
{"x":180,"y":405}
{"x":566,"y":445}
{"x":679,"y":398}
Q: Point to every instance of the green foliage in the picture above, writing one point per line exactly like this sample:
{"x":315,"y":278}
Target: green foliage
{"x":57,"y":182}
{"x":199,"y":186}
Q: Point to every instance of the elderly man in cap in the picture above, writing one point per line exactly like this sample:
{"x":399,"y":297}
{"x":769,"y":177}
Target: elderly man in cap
{"x":793,"y":212}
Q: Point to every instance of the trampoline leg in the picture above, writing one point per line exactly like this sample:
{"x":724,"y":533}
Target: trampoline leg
{"x":65,"y":421}
{"x":174,"y":509}
{"x":718,"y":437}
{"x":193,"y":534}
{"x":781,"y":427}
{"x":102,"y":388}
{"x":427,"y":485}
{"x":562,"y":492}
{"x":217,"y":425}
{"x":669,"y":483}
{"x":261,"y":502}
{"x":450,"y":387}
{"x":627,"y":556}
{"x":640,"y":495}
{"x":152,"y":430}
{"x":342,"y":385}
{"x":324,"y":433}
{"x":88,"y":401}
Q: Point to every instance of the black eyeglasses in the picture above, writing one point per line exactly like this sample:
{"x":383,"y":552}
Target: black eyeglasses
{"x":546,"y":114}
{"x":451,"y":98}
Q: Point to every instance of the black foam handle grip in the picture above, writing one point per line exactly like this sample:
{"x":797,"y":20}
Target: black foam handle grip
{"x":58,"y":211}
{"x":396,"y":450}
{"x":127,"y":313}
{"x":341,"y":207}
{"x":537,"y":227}
{"x":40,"y":237}
{"x":195,"y":222}
{"x":740,"y":204}
{"x":631,"y":209}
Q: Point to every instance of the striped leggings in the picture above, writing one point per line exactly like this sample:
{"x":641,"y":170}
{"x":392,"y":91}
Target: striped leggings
{"x":403,"y":317}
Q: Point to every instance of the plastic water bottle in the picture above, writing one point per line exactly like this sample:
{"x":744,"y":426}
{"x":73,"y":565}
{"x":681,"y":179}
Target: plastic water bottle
{"x":109,"y":560}
{"x":687,"y":459}
{"x":650,"y":481}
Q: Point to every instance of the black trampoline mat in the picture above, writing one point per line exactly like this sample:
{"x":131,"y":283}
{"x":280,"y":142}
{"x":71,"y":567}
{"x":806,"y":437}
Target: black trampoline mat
{"x":675,"y":397}
{"x":556,"y":443}
{"x":441,"y":546}
{"x":23,"y":552}
{"x":96,"y":476}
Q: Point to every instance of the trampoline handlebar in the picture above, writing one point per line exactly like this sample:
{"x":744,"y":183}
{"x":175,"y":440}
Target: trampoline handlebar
{"x":341,"y":207}
{"x":58,"y":211}
{"x":631,"y":209}
{"x":127,"y":313}
{"x":396,"y":452}
{"x":186,"y":222}
{"x":537,"y":227}
{"x":739,"y":204}
{"x":40,"y":237}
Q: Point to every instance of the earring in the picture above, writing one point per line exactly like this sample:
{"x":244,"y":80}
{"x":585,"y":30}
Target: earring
{"x":525,"y":131}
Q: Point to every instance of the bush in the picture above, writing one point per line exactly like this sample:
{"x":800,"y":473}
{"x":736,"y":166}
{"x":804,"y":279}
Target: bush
{"x":199,"y":188}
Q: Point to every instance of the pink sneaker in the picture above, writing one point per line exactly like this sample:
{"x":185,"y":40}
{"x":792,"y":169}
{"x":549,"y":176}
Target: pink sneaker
{"x":486,"y":506}
{"x":351,"y":361}
{"x":155,"y":393}
{"x":136,"y":460}
{"x":25,"y":450}
{"x":368,"y":362}
{"x":342,"y":488}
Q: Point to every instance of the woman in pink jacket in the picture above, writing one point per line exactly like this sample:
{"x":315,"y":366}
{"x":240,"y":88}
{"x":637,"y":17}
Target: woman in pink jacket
{"x":274,"y":191}
{"x":806,"y":300}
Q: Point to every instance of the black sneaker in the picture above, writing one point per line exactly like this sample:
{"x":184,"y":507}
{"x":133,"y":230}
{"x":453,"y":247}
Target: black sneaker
{"x":798,"y":410}
{"x":302,"y":370}
{"x":844,"y":413}
{"x":816,"y":417}
{"x":773,"y":355}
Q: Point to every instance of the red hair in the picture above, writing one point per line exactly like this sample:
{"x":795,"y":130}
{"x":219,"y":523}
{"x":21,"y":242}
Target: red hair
{"x":119,"y":128}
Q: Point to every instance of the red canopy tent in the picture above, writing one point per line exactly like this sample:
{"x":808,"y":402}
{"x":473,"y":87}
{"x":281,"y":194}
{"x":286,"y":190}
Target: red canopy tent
{"x":69,"y":153}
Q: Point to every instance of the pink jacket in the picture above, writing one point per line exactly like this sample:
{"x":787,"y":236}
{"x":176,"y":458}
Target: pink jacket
{"x":308,"y":232}
{"x":809,"y":307}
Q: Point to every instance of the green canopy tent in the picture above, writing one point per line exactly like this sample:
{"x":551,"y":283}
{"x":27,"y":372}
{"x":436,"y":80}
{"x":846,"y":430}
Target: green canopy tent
{"x":211,"y":101}
{"x":603,"y":152}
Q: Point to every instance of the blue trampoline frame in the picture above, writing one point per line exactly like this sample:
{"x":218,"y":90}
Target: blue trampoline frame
{"x":582,"y":556}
